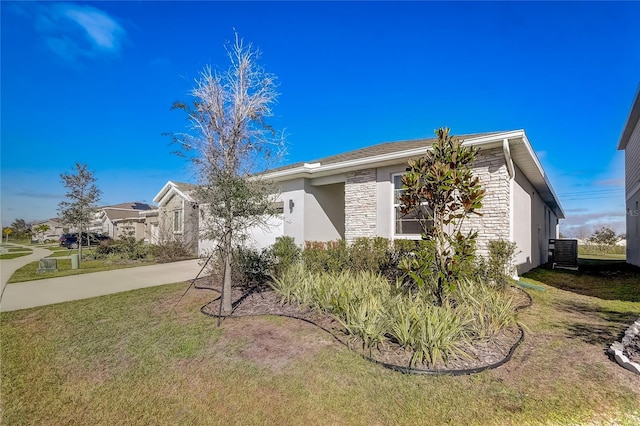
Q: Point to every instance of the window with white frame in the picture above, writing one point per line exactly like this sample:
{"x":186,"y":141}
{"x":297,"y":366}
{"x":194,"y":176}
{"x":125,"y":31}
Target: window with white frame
{"x":405,"y":225}
{"x":178,"y":220}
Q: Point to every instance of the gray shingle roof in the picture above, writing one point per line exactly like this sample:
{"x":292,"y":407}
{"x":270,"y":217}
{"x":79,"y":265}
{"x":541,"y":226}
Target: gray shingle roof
{"x":375,"y":150}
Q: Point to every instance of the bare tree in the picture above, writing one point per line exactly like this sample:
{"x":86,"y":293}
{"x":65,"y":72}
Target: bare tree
{"x":231,"y":144}
{"x":82,"y":196}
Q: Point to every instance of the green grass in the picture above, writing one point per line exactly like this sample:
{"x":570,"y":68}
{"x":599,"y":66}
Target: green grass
{"x":28,"y":272}
{"x":127,"y":359}
{"x":604,"y":279}
{"x":20,"y":250}
{"x":13,"y":255}
{"x":61,"y":252}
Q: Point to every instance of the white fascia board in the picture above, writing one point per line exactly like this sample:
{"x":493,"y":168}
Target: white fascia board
{"x":306,"y":171}
{"x":160,"y":195}
{"x":166,"y":191}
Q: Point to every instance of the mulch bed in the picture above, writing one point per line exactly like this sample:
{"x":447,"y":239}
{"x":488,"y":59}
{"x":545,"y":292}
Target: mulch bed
{"x":267,"y":302}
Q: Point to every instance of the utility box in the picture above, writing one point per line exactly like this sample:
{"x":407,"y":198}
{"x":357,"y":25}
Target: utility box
{"x":47,"y":265}
{"x":75,"y":261}
{"x":563,"y":253}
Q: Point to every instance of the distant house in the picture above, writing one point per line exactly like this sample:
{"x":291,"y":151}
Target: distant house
{"x":630,"y":143}
{"x":56,"y":228}
{"x":354,"y":194}
{"x":177,"y":215}
{"x":122,"y":219}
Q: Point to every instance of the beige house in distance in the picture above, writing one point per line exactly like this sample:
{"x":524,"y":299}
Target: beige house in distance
{"x":122,"y":219}
{"x":630,"y":143}
{"x":354,"y":194}
{"x":177,"y":215}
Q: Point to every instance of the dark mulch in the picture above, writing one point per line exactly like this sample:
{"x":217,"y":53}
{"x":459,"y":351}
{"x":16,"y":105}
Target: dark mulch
{"x":267,"y":302}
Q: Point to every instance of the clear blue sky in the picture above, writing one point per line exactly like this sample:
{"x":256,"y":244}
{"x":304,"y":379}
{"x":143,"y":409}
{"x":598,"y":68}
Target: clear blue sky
{"x":94,"y":83}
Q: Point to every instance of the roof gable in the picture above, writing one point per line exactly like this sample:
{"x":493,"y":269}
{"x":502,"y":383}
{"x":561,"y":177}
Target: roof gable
{"x":181,"y":189}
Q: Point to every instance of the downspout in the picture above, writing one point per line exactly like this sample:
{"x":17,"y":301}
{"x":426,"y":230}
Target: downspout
{"x":512,"y":174}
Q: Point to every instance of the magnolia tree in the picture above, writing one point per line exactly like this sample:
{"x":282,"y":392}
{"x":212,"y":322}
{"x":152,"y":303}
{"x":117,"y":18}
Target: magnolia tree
{"x":82,"y":198}
{"x":441,"y":191}
{"x":230,"y":144}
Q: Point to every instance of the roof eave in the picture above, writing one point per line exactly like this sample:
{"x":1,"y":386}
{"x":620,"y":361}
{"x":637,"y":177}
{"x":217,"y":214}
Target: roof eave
{"x":632,"y":121}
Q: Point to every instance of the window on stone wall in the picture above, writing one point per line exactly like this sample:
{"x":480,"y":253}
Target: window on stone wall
{"x":178,"y":221}
{"x":405,"y":225}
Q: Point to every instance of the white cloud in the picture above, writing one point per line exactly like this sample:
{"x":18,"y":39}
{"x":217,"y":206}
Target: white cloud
{"x":102,"y":31}
{"x":74,"y":31}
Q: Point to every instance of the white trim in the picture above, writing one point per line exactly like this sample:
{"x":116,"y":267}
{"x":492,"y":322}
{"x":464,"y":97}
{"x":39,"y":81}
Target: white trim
{"x":168,"y":188}
{"x":394,"y":235}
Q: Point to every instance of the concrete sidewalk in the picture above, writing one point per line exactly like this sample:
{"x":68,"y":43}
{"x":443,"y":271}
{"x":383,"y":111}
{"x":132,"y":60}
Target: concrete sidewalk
{"x":30,"y":294}
{"x":9,"y":266}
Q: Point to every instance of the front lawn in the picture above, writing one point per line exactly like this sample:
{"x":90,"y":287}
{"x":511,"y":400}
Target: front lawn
{"x":604,"y":279}
{"x":129,"y":359}
{"x":13,"y":255}
{"x":29,"y":271}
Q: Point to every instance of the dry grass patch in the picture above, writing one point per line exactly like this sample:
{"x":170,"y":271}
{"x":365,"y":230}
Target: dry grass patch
{"x":127,"y":359}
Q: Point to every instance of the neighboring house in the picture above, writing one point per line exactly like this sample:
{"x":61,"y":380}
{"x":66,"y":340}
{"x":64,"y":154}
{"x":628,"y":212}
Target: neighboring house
{"x":630,"y":143}
{"x":354,"y":194}
{"x":178,"y":215}
{"x":122,"y":219}
{"x":56,"y":228}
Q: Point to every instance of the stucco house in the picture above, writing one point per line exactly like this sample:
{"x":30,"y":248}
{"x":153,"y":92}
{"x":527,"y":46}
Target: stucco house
{"x":630,"y":143}
{"x":177,"y":216}
{"x":354,"y":194}
{"x":122,"y":219}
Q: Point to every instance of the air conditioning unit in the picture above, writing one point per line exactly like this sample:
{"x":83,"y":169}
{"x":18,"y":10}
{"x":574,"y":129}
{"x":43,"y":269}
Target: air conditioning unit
{"x":563,"y":253}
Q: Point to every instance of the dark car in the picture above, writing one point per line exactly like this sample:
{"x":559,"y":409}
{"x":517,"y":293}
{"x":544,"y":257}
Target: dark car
{"x":70,"y":241}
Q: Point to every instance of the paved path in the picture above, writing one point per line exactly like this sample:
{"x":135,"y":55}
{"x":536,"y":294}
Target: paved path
{"x":30,"y":294}
{"x":9,"y":266}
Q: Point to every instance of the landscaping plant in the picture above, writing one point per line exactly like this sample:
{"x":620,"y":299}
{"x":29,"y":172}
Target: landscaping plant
{"x":441,"y":188}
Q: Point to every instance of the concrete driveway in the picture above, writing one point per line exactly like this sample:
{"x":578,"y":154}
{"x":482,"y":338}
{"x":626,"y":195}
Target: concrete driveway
{"x":30,"y":294}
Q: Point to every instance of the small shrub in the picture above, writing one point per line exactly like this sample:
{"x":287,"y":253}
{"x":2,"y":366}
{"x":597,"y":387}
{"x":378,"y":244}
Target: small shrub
{"x":285,"y":253}
{"x":251,"y":267}
{"x":501,"y":264}
{"x":171,"y":251}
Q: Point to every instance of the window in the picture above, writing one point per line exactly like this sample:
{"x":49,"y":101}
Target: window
{"x":405,"y":225}
{"x":177,"y":221}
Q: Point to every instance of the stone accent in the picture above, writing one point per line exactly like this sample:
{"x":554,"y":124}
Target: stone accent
{"x":360,"y":204}
{"x":47,"y":265}
{"x":494,"y":223}
{"x":616,"y":349}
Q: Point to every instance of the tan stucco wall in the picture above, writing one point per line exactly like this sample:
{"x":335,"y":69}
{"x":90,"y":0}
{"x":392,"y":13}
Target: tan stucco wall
{"x":324,"y":212}
{"x":190,"y":232}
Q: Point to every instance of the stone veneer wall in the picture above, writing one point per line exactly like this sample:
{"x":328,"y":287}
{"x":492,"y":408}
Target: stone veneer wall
{"x":360,"y":204}
{"x":494,"y":223}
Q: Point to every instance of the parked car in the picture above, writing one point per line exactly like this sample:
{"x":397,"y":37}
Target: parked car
{"x":70,"y":241}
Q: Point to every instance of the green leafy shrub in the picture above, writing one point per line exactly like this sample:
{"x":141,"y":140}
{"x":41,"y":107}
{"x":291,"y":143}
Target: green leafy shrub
{"x":286,"y":253}
{"x":501,"y":264}
{"x":125,"y":247}
{"x":252,"y":267}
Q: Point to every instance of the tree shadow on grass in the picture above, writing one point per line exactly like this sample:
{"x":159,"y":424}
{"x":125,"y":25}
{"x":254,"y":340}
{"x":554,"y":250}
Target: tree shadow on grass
{"x":595,"y":325}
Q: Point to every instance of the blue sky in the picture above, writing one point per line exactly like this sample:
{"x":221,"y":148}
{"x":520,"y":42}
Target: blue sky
{"x":94,"y":83}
